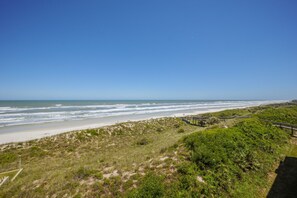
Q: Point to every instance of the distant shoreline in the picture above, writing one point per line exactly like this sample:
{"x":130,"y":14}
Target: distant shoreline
{"x":15,"y":134}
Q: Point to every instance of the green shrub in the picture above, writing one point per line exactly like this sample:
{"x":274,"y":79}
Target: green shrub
{"x":93,"y":132}
{"x":281,"y":114}
{"x":187,"y":168}
{"x":223,"y":156}
{"x":151,"y":186}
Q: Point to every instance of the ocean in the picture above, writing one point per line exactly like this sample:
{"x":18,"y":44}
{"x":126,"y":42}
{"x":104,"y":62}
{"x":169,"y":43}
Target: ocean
{"x":16,"y":113}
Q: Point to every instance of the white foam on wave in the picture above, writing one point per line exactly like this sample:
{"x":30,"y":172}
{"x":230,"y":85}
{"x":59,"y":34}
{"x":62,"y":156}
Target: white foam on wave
{"x":62,"y":113}
{"x":115,"y":110}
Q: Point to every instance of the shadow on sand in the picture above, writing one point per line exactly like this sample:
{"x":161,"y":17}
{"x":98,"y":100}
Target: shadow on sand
{"x":285,"y":184}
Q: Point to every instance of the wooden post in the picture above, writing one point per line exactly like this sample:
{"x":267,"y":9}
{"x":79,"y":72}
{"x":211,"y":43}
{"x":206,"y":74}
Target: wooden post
{"x":292,"y":130}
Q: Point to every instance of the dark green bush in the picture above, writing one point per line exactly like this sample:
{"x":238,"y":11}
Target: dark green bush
{"x":223,"y":156}
{"x":151,"y":186}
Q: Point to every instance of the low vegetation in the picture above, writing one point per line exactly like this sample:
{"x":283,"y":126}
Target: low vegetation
{"x":230,"y":157}
{"x":88,"y":163}
{"x":284,"y":115}
{"x":226,"y":158}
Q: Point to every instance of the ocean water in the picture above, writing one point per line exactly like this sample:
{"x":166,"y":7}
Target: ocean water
{"x":13,"y":113}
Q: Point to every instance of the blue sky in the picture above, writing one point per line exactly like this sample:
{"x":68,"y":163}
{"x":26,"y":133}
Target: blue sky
{"x":148,"y":49}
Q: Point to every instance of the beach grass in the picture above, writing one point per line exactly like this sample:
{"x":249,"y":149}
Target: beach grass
{"x":54,"y":165}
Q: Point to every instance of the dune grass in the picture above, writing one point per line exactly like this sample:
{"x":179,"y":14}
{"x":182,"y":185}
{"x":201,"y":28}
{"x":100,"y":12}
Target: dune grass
{"x":90,"y":162}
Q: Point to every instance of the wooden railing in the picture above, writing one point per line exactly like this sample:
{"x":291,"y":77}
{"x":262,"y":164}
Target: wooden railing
{"x":292,"y":128}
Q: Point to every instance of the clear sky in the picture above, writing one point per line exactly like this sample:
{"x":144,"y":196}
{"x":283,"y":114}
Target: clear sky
{"x":164,"y":49}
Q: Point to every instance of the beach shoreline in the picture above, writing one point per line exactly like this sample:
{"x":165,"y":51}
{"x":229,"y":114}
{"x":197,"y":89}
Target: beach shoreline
{"x":24,"y":133}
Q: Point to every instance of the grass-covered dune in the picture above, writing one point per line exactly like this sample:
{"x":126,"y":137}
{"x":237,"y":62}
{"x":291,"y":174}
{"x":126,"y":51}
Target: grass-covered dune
{"x":227,"y":162}
{"x":285,"y":114}
{"x":88,"y":163}
{"x":156,"y":158}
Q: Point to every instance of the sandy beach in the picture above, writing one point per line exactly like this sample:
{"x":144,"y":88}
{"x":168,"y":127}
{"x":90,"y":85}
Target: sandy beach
{"x":28,"y":132}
